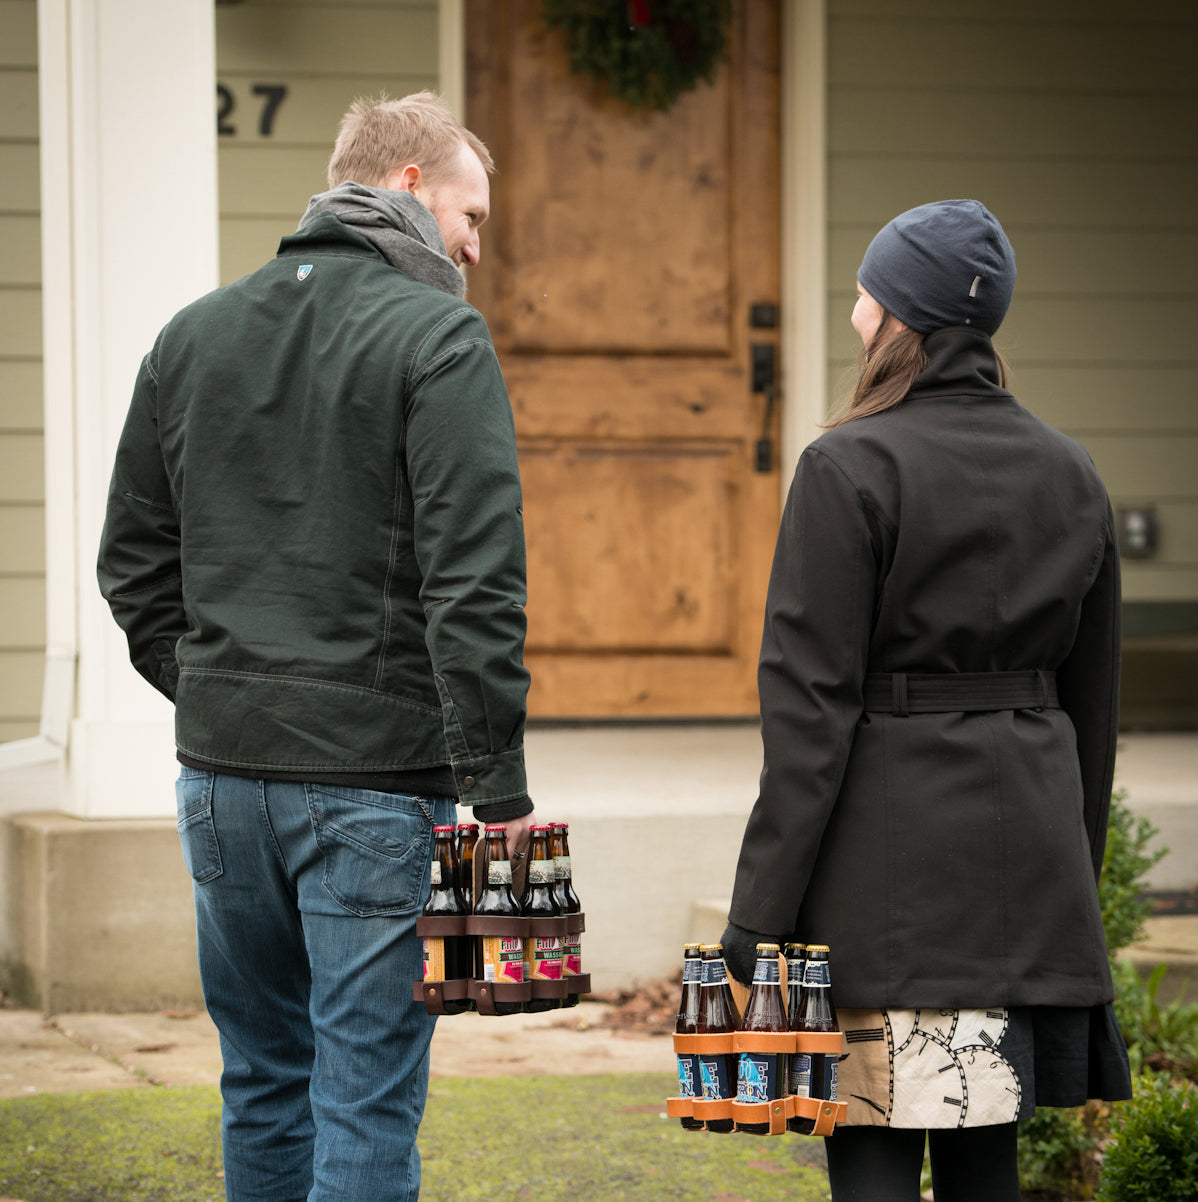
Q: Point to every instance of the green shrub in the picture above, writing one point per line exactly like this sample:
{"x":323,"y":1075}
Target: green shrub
{"x":1057,"y":1150}
{"x":1161,"y":1038}
{"x":1154,"y":1153}
{"x":1124,"y":863}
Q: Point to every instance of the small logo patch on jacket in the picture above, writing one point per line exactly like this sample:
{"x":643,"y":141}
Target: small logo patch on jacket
{"x":304,"y":272}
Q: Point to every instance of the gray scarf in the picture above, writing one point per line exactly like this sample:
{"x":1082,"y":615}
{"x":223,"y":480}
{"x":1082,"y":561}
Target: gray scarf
{"x":403,"y":230}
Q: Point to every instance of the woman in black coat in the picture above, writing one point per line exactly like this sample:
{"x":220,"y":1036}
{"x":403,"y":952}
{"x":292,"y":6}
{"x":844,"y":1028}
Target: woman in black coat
{"x":939,"y":696}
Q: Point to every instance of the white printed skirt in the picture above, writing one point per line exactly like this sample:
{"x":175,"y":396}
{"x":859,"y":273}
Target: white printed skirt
{"x":976,"y":1068}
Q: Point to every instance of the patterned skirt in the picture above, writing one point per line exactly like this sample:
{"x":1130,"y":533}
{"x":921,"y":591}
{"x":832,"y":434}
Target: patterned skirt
{"x":976,"y":1068}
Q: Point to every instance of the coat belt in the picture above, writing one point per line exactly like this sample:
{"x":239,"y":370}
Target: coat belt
{"x":903,"y":693}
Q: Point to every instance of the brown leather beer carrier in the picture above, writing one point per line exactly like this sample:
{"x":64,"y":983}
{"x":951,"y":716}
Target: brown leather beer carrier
{"x":826,"y":1115}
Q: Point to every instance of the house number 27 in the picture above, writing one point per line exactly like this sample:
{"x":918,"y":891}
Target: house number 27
{"x":272,"y":94}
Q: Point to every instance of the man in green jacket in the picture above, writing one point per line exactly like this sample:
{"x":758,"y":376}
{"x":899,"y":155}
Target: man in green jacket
{"x":314,"y":543}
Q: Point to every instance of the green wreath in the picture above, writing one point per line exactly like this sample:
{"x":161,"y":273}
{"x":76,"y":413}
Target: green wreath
{"x":647,"y":52}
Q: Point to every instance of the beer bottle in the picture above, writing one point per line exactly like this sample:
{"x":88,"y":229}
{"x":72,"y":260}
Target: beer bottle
{"x":717,"y":1014}
{"x":688,"y":1024}
{"x":761,"y":1076}
{"x":446,"y":957}
{"x":500,"y":957}
{"x":542,"y":954}
{"x":559,"y":844}
{"x":796,"y":955}
{"x":813,"y":1075}
{"x":467,"y":837}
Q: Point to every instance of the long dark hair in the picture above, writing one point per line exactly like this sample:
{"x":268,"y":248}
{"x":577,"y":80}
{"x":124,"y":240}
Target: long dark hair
{"x":887,"y":368}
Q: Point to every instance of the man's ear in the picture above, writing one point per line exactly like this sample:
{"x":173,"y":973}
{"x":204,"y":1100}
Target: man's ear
{"x":403,"y":179}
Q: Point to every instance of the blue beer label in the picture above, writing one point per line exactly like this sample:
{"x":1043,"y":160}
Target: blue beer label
{"x":687,"y":1071}
{"x":766,"y":972}
{"x":714,"y":972}
{"x":692,"y":970}
{"x":757,"y":1077}
{"x":800,"y":1074}
{"x":713,"y":1074}
{"x":817,"y":973}
{"x":831,"y":1077}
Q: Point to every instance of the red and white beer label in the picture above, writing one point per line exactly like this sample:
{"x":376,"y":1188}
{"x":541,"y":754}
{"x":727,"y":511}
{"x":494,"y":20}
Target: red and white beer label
{"x":543,"y":958}
{"x":503,"y":959}
{"x":572,"y":955}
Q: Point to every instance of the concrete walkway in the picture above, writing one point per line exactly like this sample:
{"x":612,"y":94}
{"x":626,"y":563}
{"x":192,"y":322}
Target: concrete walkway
{"x":78,"y":1052}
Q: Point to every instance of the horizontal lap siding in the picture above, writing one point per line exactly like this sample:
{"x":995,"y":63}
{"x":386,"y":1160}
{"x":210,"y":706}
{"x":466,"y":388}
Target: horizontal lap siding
{"x":22,"y":490}
{"x":326,"y":54}
{"x":1075,"y":125}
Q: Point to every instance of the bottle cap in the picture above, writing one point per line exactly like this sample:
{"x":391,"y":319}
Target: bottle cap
{"x":441,"y":830}
{"x":540,"y":826}
{"x":817,"y":947}
{"x":497,"y":826}
{"x":795,"y":947}
{"x":467,"y":826}
{"x":688,"y":946}
{"x":768,"y":947}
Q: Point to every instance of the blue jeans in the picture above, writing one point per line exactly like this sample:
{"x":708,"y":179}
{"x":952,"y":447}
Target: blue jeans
{"x":306,"y":901}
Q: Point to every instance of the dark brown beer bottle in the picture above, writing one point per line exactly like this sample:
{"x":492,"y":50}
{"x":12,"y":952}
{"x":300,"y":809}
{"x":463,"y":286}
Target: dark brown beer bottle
{"x":499,"y":957}
{"x":563,"y":872}
{"x":717,"y":1014}
{"x":688,"y":1024}
{"x":446,"y":957}
{"x":796,"y":956}
{"x":813,"y":1075}
{"x":542,"y":954}
{"x":467,"y":837}
{"x":761,"y":1076}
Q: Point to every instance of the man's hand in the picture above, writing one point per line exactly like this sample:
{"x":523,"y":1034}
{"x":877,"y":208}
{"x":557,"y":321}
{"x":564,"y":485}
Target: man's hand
{"x":517,"y":834}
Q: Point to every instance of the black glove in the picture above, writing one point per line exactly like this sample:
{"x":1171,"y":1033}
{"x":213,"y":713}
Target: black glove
{"x":740,"y":951}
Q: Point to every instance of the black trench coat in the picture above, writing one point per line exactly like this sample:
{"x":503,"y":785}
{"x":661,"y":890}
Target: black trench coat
{"x":949,"y":859}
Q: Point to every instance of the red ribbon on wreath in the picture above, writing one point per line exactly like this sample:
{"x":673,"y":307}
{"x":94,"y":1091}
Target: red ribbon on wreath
{"x":638,"y":13}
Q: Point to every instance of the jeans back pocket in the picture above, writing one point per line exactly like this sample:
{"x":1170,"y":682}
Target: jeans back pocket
{"x":376,"y":847}
{"x":197,"y":830}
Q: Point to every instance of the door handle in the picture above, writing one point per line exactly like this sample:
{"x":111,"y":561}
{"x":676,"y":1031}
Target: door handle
{"x":764,"y":361}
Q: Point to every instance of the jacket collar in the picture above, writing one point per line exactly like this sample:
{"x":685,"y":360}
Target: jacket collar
{"x":961,"y":362}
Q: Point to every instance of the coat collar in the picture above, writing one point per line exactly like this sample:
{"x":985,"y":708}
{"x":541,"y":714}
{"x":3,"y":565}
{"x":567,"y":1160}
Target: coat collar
{"x":961,"y":362}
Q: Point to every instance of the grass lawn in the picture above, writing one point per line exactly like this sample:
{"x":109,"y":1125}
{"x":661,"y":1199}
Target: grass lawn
{"x":493,"y":1138}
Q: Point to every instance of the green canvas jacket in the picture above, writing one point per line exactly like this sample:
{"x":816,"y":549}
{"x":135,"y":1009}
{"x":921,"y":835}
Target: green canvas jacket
{"x":314,"y":537}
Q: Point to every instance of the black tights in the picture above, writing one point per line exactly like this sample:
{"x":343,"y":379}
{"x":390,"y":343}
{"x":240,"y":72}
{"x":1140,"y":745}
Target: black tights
{"x":882,"y":1164}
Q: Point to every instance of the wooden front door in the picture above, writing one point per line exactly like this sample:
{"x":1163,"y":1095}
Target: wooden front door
{"x":619,"y":274}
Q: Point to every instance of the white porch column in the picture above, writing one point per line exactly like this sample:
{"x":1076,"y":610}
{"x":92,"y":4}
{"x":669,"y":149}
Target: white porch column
{"x":129,"y":219}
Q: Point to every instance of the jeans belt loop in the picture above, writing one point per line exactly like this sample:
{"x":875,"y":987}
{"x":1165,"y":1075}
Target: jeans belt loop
{"x":1042,"y":683}
{"x":898,"y":694}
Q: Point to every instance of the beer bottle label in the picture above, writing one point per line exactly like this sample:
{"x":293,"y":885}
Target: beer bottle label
{"x":692,"y":971}
{"x":713,"y":1077}
{"x":688,"y":1068}
{"x":503,"y":958}
{"x":572,"y":955}
{"x":561,"y":868}
{"x":436,"y":874}
{"x":766,"y":972}
{"x":499,"y":872}
{"x":543,"y":958}
{"x":757,"y":1077}
{"x":714,"y":972}
{"x":800,"y":1074}
{"x":817,"y":974}
{"x":831,"y":1077}
{"x":434,"y":958}
{"x":540,"y":872}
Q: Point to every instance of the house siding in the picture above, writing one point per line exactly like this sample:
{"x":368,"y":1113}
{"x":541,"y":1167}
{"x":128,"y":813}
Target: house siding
{"x":325,"y":55}
{"x":22,"y":508}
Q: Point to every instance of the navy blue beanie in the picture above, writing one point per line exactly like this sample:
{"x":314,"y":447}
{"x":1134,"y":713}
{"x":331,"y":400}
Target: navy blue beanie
{"x":942,"y":264}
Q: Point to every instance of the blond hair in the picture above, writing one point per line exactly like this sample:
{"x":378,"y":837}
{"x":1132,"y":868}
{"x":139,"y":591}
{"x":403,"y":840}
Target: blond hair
{"x":377,"y":136}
